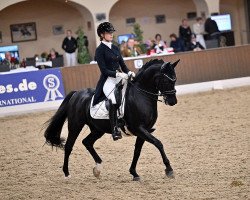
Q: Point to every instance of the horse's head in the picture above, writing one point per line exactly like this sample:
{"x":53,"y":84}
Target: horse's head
{"x":165,"y":82}
{"x":156,"y":76}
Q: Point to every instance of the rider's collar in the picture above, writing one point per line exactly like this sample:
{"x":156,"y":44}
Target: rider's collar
{"x":109,"y":44}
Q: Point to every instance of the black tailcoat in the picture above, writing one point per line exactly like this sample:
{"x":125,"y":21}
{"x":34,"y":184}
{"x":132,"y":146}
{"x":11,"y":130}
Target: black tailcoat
{"x":109,"y":61}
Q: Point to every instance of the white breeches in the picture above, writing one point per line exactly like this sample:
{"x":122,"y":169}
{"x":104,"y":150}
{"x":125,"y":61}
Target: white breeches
{"x":109,"y":88}
{"x":70,"y":59}
{"x":200,"y":39}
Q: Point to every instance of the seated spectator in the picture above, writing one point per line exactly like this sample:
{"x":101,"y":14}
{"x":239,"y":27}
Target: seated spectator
{"x":199,"y":31}
{"x":194,"y":45}
{"x":176,"y":43}
{"x":52,"y":54}
{"x":131,"y":50}
{"x":159,"y":44}
{"x":9,"y":60}
{"x":44,"y":56}
{"x":140,"y":46}
{"x":150,"y":44}
{"x":123,"y":46}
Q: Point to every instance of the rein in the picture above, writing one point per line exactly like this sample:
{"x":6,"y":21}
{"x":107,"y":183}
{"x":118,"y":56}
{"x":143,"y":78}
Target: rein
{"x":154,"y":94}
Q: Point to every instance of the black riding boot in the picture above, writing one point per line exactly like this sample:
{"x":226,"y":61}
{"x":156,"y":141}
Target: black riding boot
{"x":113,"y":121}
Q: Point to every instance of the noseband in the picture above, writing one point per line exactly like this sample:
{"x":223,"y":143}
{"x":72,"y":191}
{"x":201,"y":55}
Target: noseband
{"x":167,"y":92}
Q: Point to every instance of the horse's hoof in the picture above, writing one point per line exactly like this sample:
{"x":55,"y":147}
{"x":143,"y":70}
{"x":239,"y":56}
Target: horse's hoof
{"x":97,"y":170}
{"x":137,"y":178}
{"x":170,"y":174}
{"x":67,"y":177}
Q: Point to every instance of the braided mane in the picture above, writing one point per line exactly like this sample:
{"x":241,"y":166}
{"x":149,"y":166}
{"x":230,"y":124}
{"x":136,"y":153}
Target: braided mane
{"x":146,"y":66}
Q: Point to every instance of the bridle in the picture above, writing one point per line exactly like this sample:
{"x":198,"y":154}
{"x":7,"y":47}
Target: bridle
{"x":163,"y":94}
{"x":166,"y":92}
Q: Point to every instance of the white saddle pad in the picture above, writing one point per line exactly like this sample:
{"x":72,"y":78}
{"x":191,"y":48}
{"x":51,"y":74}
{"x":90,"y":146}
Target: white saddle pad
{"x":99,"y":111}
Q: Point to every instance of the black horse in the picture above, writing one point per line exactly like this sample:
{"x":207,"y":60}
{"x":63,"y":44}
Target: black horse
{"x":155,"y":78}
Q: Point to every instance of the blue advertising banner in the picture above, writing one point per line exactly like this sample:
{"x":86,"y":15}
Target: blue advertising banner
{"x":31,"y":87}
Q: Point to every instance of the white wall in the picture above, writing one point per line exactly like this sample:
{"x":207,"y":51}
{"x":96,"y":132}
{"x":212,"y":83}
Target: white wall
{"x":145,"y":11}
{"x":75,"y":13}
{"x":46,"y":14}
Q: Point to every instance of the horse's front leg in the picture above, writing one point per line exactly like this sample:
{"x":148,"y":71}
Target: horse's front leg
{"x":138,"y":146}
{"x":144,"y":134}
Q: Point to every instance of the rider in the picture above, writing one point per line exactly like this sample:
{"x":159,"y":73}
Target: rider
{"x":113,"y":70}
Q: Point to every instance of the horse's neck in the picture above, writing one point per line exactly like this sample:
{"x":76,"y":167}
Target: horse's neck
{"x":147,"y":92}
{"x":147,"y":87}
{"x":141,"y":103}
{"x":146,"y":83}
{"x":144,"y":87}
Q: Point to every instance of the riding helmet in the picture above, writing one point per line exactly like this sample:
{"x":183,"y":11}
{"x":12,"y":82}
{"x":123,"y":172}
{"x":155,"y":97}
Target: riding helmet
{"x":105,"y":27}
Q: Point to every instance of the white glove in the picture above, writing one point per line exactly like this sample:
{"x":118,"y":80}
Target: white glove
{"x":122,"y":75}
{"x":130,"y":73}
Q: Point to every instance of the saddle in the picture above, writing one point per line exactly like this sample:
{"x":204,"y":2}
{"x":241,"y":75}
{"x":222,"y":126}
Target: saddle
{"x":101,"y":110}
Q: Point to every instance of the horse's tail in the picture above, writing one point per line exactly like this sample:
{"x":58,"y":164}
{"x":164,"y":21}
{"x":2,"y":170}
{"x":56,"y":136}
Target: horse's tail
{"x":55,"y":123}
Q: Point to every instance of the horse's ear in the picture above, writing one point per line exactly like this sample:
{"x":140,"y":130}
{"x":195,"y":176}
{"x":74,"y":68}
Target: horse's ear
{"x":165,"y":65}
{"x":175,"y":63}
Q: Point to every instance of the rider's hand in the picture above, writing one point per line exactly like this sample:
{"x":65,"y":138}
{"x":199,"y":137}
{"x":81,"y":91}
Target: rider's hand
{"x":130,"y":73}
{"x":122,"y":75}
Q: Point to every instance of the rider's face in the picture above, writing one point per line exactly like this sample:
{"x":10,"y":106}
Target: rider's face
{"x":108,"y":37}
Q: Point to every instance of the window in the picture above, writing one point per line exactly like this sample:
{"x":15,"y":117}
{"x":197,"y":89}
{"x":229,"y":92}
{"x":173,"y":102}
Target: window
{"x":191,"y":15}
{"x":130,"y":21}
{"x":160,"y":19}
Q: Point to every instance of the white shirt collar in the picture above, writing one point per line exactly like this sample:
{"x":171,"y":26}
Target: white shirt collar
{"x":109,"y":44}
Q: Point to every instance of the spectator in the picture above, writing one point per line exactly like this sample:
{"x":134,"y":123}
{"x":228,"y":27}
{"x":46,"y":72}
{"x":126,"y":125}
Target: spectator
{"x":70,"y":45}
{"x":199,"y":31}
{"x":185,"y":33}
{"x":194,"y":45}
{"x":52,"y":54}
{"x":123,"y":46}
{"x":44,"y":56}
{"x":7,"y":60}
{"x":130,"y":49}
{"x":159,"y":44}
{"x":176,"y":43}
{"x":212,"y":29}
{"x":150,"y":44}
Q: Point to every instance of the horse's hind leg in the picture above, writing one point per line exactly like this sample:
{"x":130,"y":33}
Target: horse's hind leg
{"x":74,"y":131}
{"x":88,"y":142}
{"x":138,"y":146}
